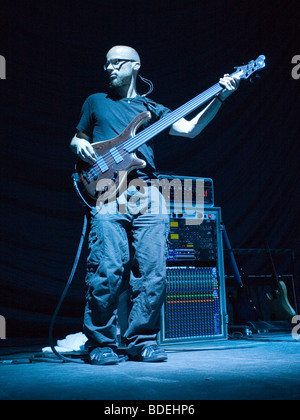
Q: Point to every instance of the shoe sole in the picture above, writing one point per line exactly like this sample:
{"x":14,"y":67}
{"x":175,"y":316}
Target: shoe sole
{"x":104,"y":362}
{"x":161,"y":358}
{"x":155,"y":359}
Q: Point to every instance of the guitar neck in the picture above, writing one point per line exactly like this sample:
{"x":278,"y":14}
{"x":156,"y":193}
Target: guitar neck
{"x":139,"y":139}
{"x":272,"y":265}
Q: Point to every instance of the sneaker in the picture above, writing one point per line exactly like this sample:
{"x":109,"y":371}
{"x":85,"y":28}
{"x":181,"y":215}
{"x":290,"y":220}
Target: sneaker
{"x":151,"y":353}
{"x":103,"y":356}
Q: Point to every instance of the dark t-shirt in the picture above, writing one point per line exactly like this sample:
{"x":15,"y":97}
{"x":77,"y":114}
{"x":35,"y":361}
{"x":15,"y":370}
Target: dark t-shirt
{"x":104,"y":117}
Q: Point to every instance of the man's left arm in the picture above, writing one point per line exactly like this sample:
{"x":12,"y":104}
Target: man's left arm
{"x":192,"y":128}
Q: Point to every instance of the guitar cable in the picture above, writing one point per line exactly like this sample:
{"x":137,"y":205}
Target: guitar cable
{"x":65,"y":291}
{"x":63,"y":358}
{"x":76,"y":179}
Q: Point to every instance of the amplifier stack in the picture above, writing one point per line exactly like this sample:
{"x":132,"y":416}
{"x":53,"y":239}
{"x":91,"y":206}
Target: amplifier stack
{"x":195,"y":306}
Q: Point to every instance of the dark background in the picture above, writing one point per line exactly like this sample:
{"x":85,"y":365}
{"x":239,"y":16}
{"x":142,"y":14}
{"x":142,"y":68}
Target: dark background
{"x":54,"y":55}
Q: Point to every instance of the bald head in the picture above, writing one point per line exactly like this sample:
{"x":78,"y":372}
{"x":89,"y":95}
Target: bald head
{"x":123,"y":51}
{"x":122,"y":65}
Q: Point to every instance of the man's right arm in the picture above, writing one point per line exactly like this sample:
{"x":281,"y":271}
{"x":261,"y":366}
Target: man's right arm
{"x":81,"y":146}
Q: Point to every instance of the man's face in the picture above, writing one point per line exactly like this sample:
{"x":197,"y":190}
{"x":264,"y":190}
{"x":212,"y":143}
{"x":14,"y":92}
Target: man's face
{"x":120,"y":62}
{"x":119,"y":71}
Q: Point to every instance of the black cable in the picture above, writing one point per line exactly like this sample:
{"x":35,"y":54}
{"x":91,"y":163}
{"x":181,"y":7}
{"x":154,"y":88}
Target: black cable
{"x":60,"y":356}
{"x":149,"y":83}
{"x":76,"y":179}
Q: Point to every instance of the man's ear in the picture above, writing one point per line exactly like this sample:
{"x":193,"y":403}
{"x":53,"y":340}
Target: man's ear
{"x":137,"y":66}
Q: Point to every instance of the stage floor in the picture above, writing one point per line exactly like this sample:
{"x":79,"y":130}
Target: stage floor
{"x":260,"y":367}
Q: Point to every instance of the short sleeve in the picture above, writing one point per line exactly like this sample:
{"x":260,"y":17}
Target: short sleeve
{"x":85,"y":124}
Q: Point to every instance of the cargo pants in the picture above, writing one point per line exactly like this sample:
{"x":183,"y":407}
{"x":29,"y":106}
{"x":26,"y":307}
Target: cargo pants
{"x":128,"y":237}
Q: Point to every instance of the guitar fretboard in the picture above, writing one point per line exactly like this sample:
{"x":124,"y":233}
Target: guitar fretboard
{"x":139,"y":139}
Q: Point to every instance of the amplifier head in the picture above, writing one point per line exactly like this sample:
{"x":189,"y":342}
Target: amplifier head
{"x":186,"y":190}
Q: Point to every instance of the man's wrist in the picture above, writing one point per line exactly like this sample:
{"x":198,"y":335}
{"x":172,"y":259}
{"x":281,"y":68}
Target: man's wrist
{"x":219,"y":99}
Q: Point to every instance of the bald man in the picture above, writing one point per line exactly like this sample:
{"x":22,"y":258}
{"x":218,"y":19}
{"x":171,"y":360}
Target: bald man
{"x":132,"y":244}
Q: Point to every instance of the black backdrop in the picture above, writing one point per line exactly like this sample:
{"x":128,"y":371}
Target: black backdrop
{"x":54,"y":54}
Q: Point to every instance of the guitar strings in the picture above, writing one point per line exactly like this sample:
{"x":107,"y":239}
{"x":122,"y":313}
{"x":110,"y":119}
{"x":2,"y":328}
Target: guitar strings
{"x":136,"y":141}
{"x":133,"y":143}
{"x":175,"y":115}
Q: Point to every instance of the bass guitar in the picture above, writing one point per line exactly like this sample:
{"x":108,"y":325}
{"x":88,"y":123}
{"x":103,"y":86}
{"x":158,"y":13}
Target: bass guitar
{"x":116,"y":157}
{"x":280,"y":307}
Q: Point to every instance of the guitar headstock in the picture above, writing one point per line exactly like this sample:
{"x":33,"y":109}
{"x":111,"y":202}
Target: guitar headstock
{"x":244,"y":72}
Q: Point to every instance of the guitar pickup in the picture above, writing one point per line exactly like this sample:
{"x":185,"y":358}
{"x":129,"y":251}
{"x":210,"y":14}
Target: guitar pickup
{"x":116,"y":155}
{"x":102,"y":164}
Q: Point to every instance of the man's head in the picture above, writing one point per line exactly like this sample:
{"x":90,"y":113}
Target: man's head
{"x":122,"y":65}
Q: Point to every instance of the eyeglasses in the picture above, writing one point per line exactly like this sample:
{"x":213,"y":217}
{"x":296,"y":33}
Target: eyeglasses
{"x":117,"y":63}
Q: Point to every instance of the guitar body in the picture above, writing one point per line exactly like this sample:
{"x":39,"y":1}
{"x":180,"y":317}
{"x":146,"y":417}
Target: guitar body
{"x":280,"y":308}
{"x":107,"y":175}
